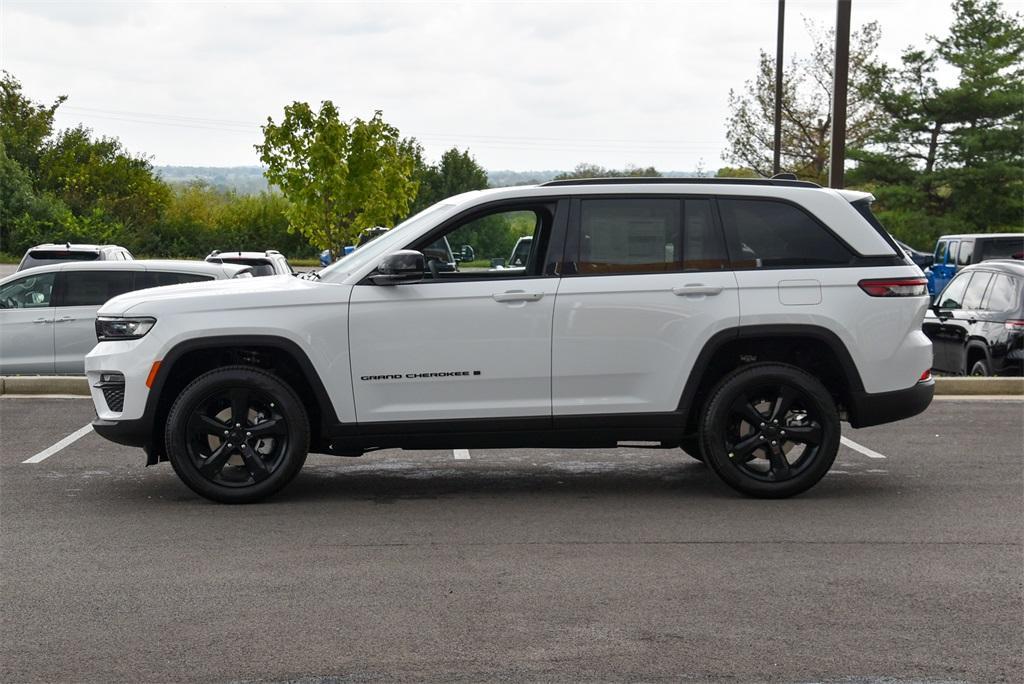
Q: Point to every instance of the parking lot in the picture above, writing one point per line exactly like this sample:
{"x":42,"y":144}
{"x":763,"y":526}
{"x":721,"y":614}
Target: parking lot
{"x":904,"y":563}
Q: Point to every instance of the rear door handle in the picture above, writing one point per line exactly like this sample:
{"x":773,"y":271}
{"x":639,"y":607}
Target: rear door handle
{"x":517,"y":296}
{"x":64,"y":319}
{"x":696,"y":289}
{"x":42,"y":320}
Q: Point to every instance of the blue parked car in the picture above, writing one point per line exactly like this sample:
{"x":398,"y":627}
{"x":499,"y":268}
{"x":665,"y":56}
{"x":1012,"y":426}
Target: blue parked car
{"x":956,"y":251}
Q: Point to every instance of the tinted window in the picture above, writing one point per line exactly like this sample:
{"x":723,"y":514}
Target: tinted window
{"x":92,"y":288}
{"x":966,"y":252}
{"x":161,"y":278}
{"x":767,"y":234}
{"x":976,"y":290}
{"x":630,"y":236}
{"x":260,"y":267}
{"x":1002,"y":295}
{"x":953,"y":295}
{"x":1000,"y":248}
{"x":27,"y":293}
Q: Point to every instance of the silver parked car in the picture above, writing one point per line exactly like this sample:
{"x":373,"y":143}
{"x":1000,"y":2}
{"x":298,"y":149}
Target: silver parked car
{"x":51,"y":253}
{"x":48,"y":313}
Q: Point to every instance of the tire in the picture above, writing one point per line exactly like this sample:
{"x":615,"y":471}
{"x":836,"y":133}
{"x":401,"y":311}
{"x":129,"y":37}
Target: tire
{"x":237,"y":434}
{"x":690,"y":446}
{"x":760,"y":458}
{"x":980,"y":369}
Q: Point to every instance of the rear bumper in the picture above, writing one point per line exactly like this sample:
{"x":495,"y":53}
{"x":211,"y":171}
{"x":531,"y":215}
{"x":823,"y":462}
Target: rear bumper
{"x":868,"y":409}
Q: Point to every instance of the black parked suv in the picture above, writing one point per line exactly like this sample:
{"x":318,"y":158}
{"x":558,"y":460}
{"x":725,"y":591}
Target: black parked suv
{"x":977,"y":323}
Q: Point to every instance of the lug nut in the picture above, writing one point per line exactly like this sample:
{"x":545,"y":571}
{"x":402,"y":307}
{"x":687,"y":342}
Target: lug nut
{"x":774,"y":442}
{"x":249,"y":434}
{"x":230,"y":445}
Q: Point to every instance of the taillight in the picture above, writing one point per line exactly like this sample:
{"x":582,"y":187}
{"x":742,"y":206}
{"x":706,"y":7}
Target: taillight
{"x":927,"y":375}
{"x":1015,"y":326}
{"x":895,"y":287}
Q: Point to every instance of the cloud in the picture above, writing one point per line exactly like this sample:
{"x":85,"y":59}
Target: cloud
{"x":522,"y":85}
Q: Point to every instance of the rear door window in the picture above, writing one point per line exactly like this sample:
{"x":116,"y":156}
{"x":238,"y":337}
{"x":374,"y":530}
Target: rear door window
{"x":93,"y":288}
{"x":649,"y":235}
{"x":1002,"y":294}
{"x":976,"y":290}
{"x":161,"y":278}
{"x":771,"y":234}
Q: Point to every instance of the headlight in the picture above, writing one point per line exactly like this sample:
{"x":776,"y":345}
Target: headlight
{"x":131,"y":328}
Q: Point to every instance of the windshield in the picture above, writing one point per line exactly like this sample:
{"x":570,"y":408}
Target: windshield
{"x":382,"y":245}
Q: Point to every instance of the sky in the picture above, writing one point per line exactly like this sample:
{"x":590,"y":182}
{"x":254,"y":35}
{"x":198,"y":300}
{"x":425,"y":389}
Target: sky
{"x":523,"y":85}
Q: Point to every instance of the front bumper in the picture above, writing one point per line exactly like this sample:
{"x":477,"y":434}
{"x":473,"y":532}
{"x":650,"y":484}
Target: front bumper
{"x":868,"y":409}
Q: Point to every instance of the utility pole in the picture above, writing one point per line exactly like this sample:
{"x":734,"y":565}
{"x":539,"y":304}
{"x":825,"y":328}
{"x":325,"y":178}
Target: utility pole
{"x":777,"y":158}
{"x":841,"y":77}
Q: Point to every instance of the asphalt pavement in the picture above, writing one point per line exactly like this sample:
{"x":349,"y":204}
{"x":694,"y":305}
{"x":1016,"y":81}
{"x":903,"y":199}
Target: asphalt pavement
{"x":601,"y":565}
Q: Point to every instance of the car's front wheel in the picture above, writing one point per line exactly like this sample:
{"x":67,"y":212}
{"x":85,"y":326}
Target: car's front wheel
{"x":770,"y":430}
{"x":237,"y":434}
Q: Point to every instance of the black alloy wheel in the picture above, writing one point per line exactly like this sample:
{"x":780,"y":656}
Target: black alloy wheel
{"x":980,"y":369}
{"x":770,"y":430}
{"x":237,"y":434}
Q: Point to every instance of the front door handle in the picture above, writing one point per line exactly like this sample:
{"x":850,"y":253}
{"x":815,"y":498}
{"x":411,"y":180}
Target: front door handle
{"x":696,"y":289}
{"x":517,"y":296}
{"x":64,"y":319}
{"x":42,"y":320}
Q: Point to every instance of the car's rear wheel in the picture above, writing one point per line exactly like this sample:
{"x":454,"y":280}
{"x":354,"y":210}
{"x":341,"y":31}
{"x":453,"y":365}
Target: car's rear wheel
{"x":980,"y":369}
{"x":237,"y":434}
{"x":770,"y":430}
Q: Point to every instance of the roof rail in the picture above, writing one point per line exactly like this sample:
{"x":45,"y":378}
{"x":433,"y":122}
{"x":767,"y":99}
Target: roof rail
{"x":661,"y":180}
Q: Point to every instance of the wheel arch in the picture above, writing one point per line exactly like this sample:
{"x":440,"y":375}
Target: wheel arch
{"x":188,"y":359}
{"x":975,"y":349}
{"x":810,"y":347}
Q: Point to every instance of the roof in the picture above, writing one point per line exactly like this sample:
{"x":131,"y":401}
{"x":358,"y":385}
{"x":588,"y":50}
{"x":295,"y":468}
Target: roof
{"x":661,"y":180}
{"x":960,"y":236}
{"x":78,"y":247}
{"x":180,"y":265}
{"x":268,"y":254}
{"x":1014,"y":266}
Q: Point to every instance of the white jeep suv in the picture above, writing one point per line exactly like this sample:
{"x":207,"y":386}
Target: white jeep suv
{"x":741,"y":320}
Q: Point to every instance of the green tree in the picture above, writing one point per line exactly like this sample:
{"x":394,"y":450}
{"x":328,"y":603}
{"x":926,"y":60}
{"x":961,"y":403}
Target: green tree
{"x":339,"y":177}
{"x":457,"y":172}
{"x":586,"y":170}
{"x":24,"y":125}
{"x":806,"y":107}
{"x":951,"y":158}
{"x":99,"y":177}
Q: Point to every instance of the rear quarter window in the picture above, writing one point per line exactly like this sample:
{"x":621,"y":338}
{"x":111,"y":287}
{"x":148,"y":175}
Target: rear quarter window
{"x":1003,"y":294}
{"x":772,"y":234}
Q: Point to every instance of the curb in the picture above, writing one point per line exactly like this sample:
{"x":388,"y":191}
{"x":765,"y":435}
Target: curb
{"x":78,"y":385}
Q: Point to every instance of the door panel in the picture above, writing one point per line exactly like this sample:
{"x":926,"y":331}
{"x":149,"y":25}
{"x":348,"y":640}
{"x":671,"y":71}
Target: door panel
{"x":627,"y":343}
{"x":452,"y":350}
{"x":26,"y":324}
{"x":26,"y":341}
{"x":74,"y":336}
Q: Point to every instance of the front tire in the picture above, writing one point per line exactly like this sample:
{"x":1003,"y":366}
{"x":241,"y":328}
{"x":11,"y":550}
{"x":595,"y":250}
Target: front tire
{"x":770,"y":430}
{"x":980,"y":369}
{"x":237,"y":434}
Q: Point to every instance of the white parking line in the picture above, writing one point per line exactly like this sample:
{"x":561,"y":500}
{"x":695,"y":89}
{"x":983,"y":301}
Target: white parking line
{"x":862,"y":449}
{"x":47,"y":453}
{"x":461,"y":454}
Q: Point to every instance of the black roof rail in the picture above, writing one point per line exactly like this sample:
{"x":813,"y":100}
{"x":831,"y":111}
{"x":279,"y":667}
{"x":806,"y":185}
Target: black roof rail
{"x":661,"y":180}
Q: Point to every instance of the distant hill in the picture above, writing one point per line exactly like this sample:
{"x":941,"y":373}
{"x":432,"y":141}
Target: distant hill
{"x":245,"y":180}
{"x":249,"y":180}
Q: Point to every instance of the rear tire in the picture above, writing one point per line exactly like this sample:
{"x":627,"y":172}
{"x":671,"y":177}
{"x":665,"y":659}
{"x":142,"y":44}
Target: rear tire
{"x":770,"y":430}
{"x":237,"y":434}
{"x":980,"y":369}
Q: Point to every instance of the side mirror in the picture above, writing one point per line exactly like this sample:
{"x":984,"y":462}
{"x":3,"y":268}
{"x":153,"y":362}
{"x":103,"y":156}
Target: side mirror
{"x":403,"y":266}
{"x":937,"y":310}
{"x":467,"y":253}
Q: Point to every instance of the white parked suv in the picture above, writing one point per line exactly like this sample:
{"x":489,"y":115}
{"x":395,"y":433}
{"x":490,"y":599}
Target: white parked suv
{"x":48,"y":313}
{"x":741,"y":320}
